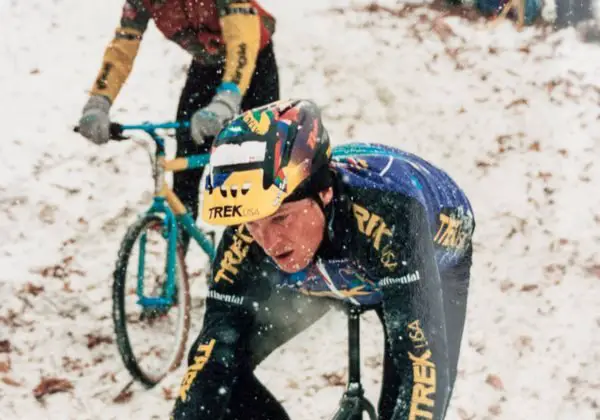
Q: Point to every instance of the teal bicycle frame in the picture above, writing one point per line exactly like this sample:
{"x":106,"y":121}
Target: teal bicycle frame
{"x":166,"y":203}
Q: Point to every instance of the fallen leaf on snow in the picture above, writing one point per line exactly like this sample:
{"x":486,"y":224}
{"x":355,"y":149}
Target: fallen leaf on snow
{"x":528,"y":287}
{"x":123,"y":397}
{"x":72,"y":365}
{"x":544,"y":175}
{"x":524,"y":49}
{"x":67,"y":287}
{"x":516,"y":102}
{"x":4,"y":366}
{"x":109,"y":375}
{"x":479,"y":347}
{"x":334,"y":379}
{"x":51,"y":386}
{"x":47,"y":214}
{"x":573,"y":380}
{"x":442,"y":29}
{"x":482,"y":164}
{"x":495,"y":382}
{"x":9,"y":381}
{"x":525,"y":340}
{"x":5,"y":346}
{"x":69,"y":241}
{"x":98,"y":360}
{"x":535,"y":146}
{"x":168,"y":394}
{"x":55,"y":271}
{"x":494,"y":409}
{"x":551,"y":85}
{"x":32,"y":289}
{"x":594,"y":270}
{"x":94,"y":340}
{"x":511,"y":233}
{"x":553,"y":268}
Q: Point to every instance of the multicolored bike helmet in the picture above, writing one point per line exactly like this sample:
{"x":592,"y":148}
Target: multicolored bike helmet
{"x":264,"y":157}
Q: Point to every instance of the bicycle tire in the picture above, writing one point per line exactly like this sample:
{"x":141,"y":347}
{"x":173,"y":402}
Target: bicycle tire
{"x":119,"y":316}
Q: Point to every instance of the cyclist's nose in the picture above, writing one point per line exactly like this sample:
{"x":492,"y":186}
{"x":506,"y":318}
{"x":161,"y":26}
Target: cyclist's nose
{"x":272,"y":237}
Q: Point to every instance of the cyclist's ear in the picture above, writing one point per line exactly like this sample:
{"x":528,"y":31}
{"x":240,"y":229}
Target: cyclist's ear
{"x":326,"y":196}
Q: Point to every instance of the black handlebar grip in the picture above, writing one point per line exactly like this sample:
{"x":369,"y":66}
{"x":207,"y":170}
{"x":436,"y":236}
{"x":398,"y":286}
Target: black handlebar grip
{"x":116,"y":132}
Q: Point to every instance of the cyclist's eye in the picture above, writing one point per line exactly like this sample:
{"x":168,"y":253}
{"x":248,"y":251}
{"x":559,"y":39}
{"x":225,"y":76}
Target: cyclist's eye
{"x":280,"y":218}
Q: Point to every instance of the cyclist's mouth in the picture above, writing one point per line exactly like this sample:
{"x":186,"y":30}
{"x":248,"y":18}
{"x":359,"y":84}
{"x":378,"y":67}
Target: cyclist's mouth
{"x":283,"y":256}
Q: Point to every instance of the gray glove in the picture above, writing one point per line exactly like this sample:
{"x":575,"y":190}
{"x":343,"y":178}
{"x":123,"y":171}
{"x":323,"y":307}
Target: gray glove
{"x":208,"y":121}
{"x":94,"y":123}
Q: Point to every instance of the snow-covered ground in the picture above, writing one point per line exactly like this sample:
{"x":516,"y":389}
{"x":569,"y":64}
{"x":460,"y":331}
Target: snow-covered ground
{"x":514,"y":117}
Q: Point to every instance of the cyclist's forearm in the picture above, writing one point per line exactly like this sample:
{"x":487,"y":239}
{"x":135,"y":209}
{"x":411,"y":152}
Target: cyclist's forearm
{"x":117,"y":63}
{"x":419,"y":349}
{"x":212,"y":364}
{"x":121,"y":52}
{"x":205,"y":389}
{"x":241,"y":25}
{"x":414,"y":316}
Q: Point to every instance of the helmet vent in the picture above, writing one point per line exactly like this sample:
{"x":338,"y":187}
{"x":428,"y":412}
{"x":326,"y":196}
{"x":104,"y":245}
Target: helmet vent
{"x":245,"y":188}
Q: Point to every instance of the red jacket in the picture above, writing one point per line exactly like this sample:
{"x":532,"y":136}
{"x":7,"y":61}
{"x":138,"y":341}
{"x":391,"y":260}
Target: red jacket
{"x":228,"y":33}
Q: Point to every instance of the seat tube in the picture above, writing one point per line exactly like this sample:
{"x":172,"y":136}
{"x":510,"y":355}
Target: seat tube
{"x":159,"y":175}
{"x":159,"y":159}
{"x":353,"y":345}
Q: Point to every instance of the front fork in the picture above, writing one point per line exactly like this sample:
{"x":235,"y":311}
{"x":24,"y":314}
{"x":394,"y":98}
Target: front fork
{"x":169,"y":232}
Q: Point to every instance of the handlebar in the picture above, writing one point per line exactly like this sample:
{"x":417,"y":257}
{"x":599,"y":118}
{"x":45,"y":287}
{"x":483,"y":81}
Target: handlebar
{"x":116,"y":130}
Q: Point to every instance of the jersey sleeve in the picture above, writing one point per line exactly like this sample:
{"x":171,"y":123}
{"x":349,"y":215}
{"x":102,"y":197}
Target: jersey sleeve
{"x":215,"y":356}
{"x":120,"y":54}
{"x":402,"y":257}
{"x":241,"y":28}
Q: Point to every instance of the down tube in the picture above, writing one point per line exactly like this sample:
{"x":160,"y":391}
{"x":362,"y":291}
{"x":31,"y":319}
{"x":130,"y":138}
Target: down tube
{"x":187,"y":222}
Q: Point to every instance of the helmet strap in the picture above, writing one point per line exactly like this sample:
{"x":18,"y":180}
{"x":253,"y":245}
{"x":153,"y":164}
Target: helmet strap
{"x":325,"y":248}
{"x":317,"y":198}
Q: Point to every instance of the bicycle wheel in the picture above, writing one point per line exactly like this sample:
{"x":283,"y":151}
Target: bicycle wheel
{"x":151,"y":336}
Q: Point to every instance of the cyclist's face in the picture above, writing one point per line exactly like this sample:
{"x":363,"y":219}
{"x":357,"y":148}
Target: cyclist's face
{"x":292,"y":235}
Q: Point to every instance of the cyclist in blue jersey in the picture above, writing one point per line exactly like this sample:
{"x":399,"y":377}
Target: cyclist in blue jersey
{"x":307,"y":232}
